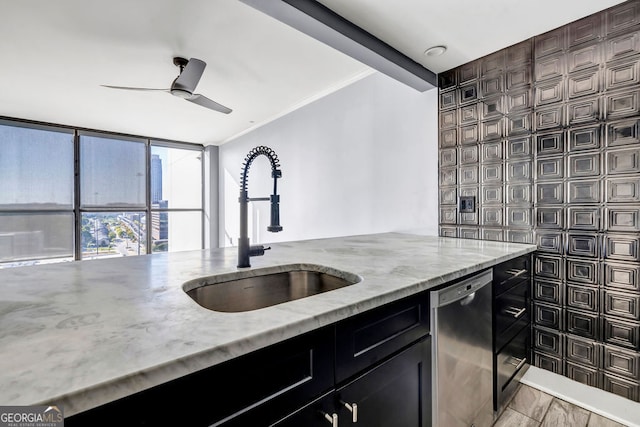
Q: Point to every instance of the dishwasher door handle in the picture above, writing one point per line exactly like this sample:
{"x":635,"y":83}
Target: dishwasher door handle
{"x":468,"y":299}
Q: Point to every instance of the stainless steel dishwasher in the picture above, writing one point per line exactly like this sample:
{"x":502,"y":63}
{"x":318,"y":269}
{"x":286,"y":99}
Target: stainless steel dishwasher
{"x":462,"y":389}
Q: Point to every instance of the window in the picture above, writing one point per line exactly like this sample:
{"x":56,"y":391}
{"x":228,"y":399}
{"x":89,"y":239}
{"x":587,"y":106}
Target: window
{"x":68,"y":195}
{"x":113,"y":196}
{"x":36,"y":193}
{"x":176,"y":198}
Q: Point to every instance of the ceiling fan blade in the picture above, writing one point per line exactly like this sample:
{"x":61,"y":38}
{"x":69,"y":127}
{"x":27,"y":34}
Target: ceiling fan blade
{"x":190,"y":76}
{"x":135,"y":88}
{"x":207,"y":103}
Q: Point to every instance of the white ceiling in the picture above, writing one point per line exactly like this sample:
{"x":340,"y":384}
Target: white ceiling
{"x":56,"y":54}
{"x":470,"y":29}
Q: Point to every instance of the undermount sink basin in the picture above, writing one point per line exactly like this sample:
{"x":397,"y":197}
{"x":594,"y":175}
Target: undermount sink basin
{"x":254,"y":289}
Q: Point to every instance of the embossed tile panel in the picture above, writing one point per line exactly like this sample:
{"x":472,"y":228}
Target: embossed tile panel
{"x":583,"y":218}
{"x":621,"y":304}
{"x":622,"y":275}
{"x":583,"y":323}
{"x":583,"y":374}
{"x":583,"y":271}
{"x":622,"y":73}
{"x":546,"y":135}
{"x":549,"y":117}
{"x":467,"y":72}
{"x":469,"y":134}
{"x":469,"y":154}
{"x":550,"y":291}
{"x":550,"y":168}
{"x":518,"y":147}
{"x":584,"y":83}
{"x":491,"y":151}
{"x":622,"y":17}
{"x":491,"y":195}
{"x":584,"y":191}
{"x":550,"y":193}
{"x":550,"y":363}
{"x":583,"y":245}
{"x":623,"y":190}
{"x":621,"y":362}
{"x":549,"y":92}
{"x":621,"y":386}
{"x":621,"y":46}
{"x":624,"y":247}
{"x":448,"y":99}
{"x":448,"y":196}
{"x":550,"y":241}
{"x":584,"y":138}
{"x":519,"y":77}
{"x":550,"y":143}
{"x":623,"y":132}
{"x":583,"y":351}
{"x":623,"y":333}
{"x":583,"y":110}
{"x":584,"y":57}
{"x":623,"y":161}
{"x":469,"y":114}
{"x":548,"y":340}
{"x":582,"y":297}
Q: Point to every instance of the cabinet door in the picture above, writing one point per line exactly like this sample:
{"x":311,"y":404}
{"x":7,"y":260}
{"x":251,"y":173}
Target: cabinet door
{"x":395,"y":393}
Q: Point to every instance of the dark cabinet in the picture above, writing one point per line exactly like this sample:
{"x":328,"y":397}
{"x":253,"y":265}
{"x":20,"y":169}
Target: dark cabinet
{"x":375,"y":364}
{"x":511,"y":327}
{"x":255,"y":389}
{"x":366,"y":339}
{"x":393,"y":393}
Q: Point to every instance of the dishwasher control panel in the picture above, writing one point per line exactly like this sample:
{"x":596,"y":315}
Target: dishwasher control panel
{"x":461,"y":289}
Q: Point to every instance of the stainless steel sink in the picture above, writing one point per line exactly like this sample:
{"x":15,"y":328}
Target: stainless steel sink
{"x":254,"y":289}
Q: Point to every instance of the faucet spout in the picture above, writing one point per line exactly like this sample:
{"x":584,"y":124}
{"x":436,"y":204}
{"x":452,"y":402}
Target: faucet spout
{"x":245,"y":250}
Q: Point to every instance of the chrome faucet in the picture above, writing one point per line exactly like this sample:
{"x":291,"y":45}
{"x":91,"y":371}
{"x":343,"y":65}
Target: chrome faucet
{"x":245,"y":251}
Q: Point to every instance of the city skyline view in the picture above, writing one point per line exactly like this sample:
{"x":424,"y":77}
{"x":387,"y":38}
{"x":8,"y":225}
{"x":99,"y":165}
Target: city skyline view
{"x":129,"y":193}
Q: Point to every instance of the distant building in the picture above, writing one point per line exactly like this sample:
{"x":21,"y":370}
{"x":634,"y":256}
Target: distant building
{"x":159,"y":221}
{"x":156,"y":179}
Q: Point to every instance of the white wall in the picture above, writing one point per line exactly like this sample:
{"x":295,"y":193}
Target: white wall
{"x":361,"y":160}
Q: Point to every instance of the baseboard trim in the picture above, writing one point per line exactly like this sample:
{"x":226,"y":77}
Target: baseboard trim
{"x":592,"y":399}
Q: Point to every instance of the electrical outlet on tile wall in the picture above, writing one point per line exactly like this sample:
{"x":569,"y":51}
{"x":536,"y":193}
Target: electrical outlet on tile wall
{"x":467,"y":204}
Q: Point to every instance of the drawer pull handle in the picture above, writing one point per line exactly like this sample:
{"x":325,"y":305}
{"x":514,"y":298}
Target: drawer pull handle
{"x":333,"y":418}
{"x":516,"y":273}
{"x":353,"y":408}
{"x":515,"y":311}
{"x":518,"y":363}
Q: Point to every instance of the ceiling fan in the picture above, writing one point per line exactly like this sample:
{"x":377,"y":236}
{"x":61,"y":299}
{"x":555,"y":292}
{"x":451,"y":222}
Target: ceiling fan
{"x":183,"y":86}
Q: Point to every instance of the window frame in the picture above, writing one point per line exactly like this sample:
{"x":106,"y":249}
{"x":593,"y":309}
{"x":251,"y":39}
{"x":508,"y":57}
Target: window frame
{"x":77,"y":211}
{"x":182,"y":146}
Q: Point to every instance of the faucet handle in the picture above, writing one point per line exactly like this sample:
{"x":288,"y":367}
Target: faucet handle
{"x":257,"y":250}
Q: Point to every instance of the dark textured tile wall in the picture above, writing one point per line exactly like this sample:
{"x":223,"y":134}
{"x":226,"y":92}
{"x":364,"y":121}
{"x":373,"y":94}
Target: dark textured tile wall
{"x":546,"y":136}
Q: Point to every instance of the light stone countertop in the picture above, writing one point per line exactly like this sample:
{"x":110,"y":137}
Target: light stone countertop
{"x":86,"y":333}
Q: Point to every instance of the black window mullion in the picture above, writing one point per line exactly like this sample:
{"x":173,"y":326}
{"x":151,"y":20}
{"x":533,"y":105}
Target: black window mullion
{"x":148,"y":196}
{"x":76,"y":198}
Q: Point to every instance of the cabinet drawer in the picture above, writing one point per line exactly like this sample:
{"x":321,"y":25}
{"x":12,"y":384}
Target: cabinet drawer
{"x":255,"y":389}
{"x":511,"y":313}
{"x":511,"y":359}
{"x":510,"y":273}
{"x":368,"y":338}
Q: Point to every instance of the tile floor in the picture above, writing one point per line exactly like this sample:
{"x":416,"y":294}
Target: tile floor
{"x":531,"y":407}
